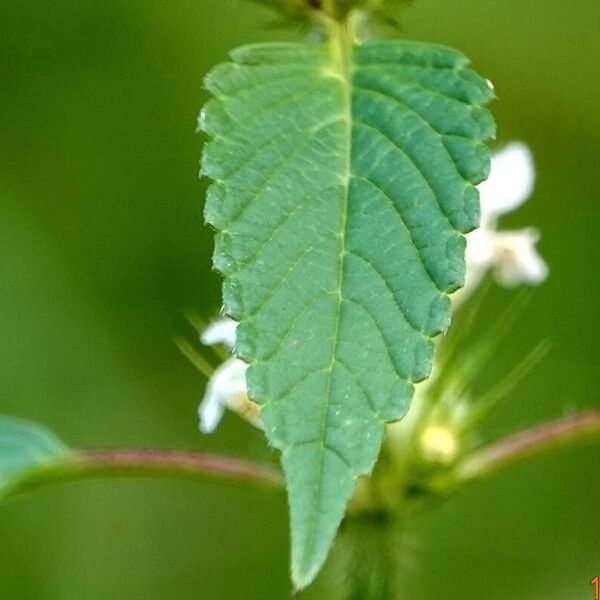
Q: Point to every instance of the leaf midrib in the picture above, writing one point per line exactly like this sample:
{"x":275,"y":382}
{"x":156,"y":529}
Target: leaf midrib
{"x":341,"y":47}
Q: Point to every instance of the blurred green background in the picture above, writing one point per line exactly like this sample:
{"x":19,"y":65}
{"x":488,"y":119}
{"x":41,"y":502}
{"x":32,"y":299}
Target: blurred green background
{"x":102,"y":245}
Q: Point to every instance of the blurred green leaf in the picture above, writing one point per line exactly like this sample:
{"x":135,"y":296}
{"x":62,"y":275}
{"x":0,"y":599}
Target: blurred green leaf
{"x":26,"y":448}
{"x":334,"y":164}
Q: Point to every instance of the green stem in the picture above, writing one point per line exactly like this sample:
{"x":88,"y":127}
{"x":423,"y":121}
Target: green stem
{"x":518,"y":447}
{"x":366,"y":562}
{"x":101,"y":464}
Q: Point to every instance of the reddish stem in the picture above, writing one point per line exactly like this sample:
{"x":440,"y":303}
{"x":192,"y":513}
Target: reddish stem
{"x":183,"y":463}
{"x":98,"y":464}
{"x":525,"y":444}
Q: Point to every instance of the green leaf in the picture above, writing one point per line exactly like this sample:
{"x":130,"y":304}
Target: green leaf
{"x":344,"y":179}
{"x":25,"y":449}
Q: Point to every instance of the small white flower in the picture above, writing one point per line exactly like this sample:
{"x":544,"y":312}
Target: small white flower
{"x":227,"y":387}
{"x":511,"y":181}
{"x":221,"y":331}
{"x":517,"y":259}
{"x":511,"y":254}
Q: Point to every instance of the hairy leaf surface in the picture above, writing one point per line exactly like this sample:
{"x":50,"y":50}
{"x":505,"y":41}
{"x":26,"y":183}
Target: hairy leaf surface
{"x":344,"y":180}
{"x":24,"y":449}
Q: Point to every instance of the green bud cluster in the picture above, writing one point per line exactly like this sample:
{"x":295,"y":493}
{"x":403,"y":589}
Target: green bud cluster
{"x":334,"y":9}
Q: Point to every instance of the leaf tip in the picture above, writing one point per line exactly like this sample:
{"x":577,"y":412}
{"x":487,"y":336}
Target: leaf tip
{"x":305,"y":572}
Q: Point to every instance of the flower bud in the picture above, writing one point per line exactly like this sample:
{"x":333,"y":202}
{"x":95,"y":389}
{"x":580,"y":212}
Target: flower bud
{"x":439,"y":445}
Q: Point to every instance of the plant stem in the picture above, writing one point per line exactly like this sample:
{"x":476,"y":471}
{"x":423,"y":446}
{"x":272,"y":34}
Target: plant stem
{"x":99,"y":464}
{"x":535,"y":441}
{"x":367,"y":560}
{"x":172,"y":464}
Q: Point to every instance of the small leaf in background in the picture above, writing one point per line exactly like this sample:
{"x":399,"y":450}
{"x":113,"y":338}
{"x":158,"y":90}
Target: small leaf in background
{"x":25,"y":448}
{"x":344,"y":179}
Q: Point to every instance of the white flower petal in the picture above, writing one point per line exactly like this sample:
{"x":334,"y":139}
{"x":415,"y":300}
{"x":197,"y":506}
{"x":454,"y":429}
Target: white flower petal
{"x":229,"y":380}
{"x":511,"y":181}
{"x":220,"y":332}
{"x":226,"y":388}
{"x":512,"y":255}
{"x":517,"y":259}
{"x":479,"y":253}
{"x":479,"y":258}
{"x":210,"y":411}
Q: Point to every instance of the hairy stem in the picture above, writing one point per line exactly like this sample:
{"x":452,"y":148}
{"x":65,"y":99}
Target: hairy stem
{"x":527,"y":444}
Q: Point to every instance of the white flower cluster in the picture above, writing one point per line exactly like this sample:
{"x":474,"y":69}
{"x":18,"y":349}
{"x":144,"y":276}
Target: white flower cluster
{"x":511,"y":255}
